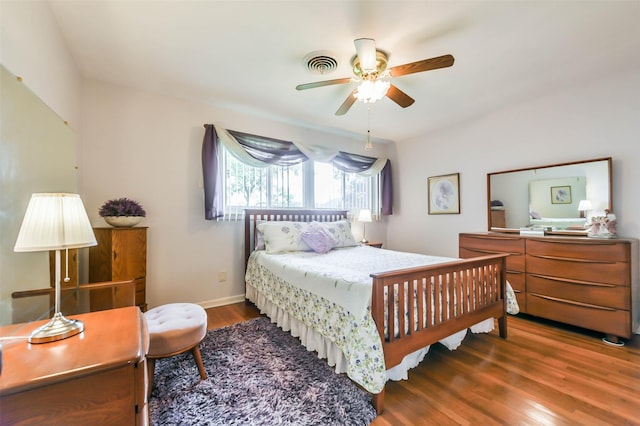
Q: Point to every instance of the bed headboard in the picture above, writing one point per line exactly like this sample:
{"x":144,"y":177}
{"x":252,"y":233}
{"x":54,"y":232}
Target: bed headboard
{"x":254,"y":216}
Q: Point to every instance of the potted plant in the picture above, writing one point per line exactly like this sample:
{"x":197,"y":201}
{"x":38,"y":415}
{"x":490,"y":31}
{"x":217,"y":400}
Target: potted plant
{"x":122,"y":212}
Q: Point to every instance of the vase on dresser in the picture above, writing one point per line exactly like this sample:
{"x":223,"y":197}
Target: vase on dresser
{"x":123,"y":221}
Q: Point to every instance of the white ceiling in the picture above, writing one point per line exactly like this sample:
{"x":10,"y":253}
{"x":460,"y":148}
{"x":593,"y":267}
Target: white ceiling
{"x":248,"y":55}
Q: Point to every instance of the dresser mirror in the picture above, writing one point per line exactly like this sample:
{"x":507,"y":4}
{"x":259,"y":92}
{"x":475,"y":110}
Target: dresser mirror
{"x":38,"y":157}
{"x":562,"y":197}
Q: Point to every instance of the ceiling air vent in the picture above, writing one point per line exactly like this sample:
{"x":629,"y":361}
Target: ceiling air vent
{"x":320,"y":62}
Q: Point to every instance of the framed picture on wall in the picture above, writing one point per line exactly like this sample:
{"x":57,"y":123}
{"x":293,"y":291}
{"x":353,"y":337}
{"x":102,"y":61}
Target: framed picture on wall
{"x":443,"y":194}
{"x":560,"y":195}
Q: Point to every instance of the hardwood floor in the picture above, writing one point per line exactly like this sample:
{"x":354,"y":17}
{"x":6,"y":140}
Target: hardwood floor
{"x":545,"y":373}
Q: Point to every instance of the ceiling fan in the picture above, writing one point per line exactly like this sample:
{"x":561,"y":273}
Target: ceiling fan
{"x":370,"y":67}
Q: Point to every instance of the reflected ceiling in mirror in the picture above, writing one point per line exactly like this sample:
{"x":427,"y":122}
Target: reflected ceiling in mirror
{"x":549,"y":195}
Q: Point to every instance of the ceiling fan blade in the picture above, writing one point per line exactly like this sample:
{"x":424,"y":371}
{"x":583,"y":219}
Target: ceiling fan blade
{"x":351,"y":99}
{"x":366,"y":49}
{"x":399,"y":97}
{"x":323,"y":83}
{"x":423,"y":65}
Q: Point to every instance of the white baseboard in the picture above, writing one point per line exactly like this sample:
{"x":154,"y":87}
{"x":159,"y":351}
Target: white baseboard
{"x":221,"y":302}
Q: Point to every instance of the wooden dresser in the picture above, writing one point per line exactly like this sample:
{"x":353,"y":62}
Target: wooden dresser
{"x":587,"y":282}
{"x":96,"y":377}
{"x":121,"y":254}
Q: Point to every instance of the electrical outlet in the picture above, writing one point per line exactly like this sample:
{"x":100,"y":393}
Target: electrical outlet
{"x":222,"y":276}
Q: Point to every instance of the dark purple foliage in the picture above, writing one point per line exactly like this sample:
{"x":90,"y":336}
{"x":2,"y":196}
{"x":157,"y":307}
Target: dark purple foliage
{"x":121,"y":207}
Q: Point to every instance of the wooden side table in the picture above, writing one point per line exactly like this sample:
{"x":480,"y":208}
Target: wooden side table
{"x":373,"y":244}
{"x":121,"y":254}
{"x":95,"y":377}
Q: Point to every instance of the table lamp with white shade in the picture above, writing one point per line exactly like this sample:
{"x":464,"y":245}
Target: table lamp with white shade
{"x":55,"y":221}
{"x":584,"y":206}
{"x":364,"y":217}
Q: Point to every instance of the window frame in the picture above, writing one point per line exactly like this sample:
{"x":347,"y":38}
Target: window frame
{"x":231,"y":212}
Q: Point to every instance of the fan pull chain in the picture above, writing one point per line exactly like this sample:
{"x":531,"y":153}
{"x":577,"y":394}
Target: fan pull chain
{"x":368,"y":146}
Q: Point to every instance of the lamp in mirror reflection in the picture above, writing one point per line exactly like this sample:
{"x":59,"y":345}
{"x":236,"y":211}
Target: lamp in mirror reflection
{"x":364,"y":217}
{"x":55,"y":221}
{"x":584,"y":206}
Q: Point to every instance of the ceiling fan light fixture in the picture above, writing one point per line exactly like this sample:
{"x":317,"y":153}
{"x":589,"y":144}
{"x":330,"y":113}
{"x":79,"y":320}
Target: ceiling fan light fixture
{"x":369,"y":66}
{"x":370,"y":91}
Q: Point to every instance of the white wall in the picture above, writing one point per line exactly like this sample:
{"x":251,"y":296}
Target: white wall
{"x":598,"y":119}
{"x":37,"y":147}
{"x":33,"y":48}
{"x":148,"y":147}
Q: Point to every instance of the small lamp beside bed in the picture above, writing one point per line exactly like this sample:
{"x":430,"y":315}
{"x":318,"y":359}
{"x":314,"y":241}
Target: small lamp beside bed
{"x":364,"y":217}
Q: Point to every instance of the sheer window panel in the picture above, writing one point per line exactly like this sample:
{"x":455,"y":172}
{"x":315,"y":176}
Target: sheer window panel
{"x":305,"y":185}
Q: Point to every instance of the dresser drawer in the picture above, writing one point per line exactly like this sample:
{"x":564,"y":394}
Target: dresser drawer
{"x":474,"y":246}
{"x":605,"y":320}
{"x":494,"y":244}
{"x":590,"y":293}
{"x":616,"y":273}
{"x":593,"y":249}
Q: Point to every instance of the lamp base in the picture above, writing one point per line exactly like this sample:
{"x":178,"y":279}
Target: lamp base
{"x":57,"y":328}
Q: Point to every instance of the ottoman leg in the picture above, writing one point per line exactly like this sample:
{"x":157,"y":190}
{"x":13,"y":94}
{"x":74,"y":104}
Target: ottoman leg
{"x":151,"y":368}
{"x":198,"y":357}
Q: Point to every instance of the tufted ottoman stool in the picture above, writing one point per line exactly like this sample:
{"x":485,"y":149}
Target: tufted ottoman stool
{"x":173,"y":329}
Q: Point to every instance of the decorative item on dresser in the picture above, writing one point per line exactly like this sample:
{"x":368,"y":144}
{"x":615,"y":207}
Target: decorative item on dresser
{"x":95,"y":378}
{"x":121,"y":254}
{"x":586,"y":282}
{"x":122,"y":212}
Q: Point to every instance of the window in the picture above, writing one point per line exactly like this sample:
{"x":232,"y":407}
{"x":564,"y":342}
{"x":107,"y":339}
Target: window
{"x":303,"y":185}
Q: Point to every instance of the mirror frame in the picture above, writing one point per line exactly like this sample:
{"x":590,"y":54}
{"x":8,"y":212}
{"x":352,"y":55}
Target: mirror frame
{"x":489,"y":175}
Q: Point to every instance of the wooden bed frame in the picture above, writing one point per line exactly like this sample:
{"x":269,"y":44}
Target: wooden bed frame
{"x":437,"y":316}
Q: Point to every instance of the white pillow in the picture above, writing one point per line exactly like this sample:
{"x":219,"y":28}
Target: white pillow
{"x":341,"y":232}
{"x":281,"y":236}
{"x":258,"y":238}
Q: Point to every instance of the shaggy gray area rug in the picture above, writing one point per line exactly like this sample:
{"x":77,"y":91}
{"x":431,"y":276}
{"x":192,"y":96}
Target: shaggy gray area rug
{"x":257,"y":375}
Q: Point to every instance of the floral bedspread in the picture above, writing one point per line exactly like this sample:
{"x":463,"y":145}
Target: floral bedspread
{"x":331,"y":293}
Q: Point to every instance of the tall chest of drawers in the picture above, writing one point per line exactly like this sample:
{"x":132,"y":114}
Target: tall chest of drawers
{"x":586,"y":282}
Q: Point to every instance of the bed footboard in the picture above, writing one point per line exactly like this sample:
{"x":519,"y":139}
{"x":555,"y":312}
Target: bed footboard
{"x":449,"y":297}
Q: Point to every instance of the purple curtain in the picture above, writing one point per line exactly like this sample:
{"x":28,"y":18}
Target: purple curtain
{"x":212,"y":175}
{"x":279,"y":152}
{"x":268,"y":150}
{"x":387,"y":190}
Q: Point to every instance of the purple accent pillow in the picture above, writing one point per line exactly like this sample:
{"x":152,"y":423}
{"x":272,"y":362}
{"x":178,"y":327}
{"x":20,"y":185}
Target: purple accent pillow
{"x":318,"y":239}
